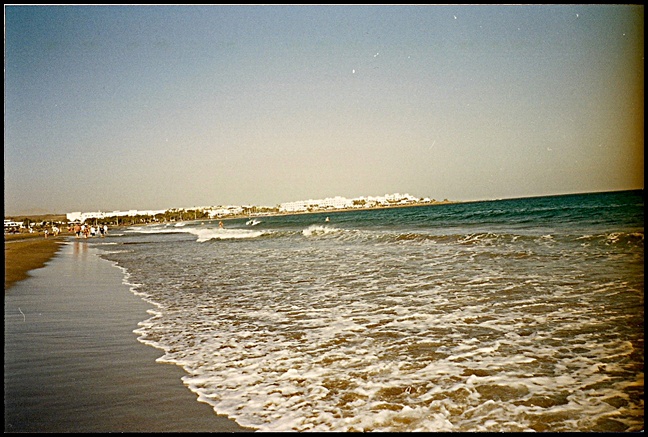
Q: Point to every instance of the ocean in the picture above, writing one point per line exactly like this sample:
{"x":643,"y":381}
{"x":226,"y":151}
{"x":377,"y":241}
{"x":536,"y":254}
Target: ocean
{"x":504,"y":316}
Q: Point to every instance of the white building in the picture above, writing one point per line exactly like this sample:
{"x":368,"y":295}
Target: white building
{"x":12,"y":224}
{"x":296,"y":206}
{"x":336,"y":202}
{"x":225,"y":211}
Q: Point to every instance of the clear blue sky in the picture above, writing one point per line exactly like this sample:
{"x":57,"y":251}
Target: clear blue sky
{"x":156,"y":107}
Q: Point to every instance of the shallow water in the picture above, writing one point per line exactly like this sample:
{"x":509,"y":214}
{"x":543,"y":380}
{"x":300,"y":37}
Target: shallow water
{"x":512,"y":315}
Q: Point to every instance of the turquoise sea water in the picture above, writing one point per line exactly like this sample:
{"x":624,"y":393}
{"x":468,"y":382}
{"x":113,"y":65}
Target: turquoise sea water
{"x":508,"y":315}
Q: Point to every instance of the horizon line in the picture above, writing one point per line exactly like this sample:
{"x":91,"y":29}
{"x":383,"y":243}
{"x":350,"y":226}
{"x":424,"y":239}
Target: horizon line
{"x":446,"y":199}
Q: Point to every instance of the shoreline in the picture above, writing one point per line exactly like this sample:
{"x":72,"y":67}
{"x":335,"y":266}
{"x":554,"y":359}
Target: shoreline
{"x":25,"y":252}
{"x":73,"y":362}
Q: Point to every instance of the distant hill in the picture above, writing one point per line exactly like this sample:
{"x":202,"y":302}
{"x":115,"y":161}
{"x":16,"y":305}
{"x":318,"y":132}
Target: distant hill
{"x":38,"y":218}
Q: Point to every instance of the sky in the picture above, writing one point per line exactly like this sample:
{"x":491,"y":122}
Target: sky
{"x":156,"y":107}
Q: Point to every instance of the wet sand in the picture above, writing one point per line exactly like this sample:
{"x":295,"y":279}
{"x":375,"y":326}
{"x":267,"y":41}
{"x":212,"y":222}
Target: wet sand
{"x":26,"y":252}
{"x":73,"y":363}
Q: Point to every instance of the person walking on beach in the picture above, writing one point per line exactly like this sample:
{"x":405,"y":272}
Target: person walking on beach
{"x":220,"y":225}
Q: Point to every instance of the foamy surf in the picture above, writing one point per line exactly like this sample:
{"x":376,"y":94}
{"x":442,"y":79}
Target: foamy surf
{"x":317,"y":230}
{"x":420,"y":319}
{"x":202,"y":233}
{"x":224,"y":234}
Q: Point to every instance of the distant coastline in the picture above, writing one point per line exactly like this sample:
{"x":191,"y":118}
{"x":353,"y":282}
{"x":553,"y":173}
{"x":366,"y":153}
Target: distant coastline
{"x":134,"y":217}
{"x":369,"y":208}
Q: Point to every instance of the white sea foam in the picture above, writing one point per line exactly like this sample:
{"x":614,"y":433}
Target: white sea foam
{"x":207,"y":234}
{"x":283,"y":389}
{"x":316,"y":230}
{"x":203,"y":233}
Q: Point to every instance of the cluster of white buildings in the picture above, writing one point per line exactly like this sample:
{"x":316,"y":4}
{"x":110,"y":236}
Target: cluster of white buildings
{"x":12,"y":224}
{"x":339,"y":202}
{"x":224,"y":211}
{"x":310,"y":205}
{"x":212,"y":211}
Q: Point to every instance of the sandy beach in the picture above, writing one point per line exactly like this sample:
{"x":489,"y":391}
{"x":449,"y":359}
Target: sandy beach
{"x":73,"y":362}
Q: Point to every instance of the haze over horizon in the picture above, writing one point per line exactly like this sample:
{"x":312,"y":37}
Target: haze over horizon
{"x":156,"y":107}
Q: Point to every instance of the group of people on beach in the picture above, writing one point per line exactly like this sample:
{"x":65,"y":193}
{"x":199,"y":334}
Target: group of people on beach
{"x":85,"y":231}
{"x":55,"y":231}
